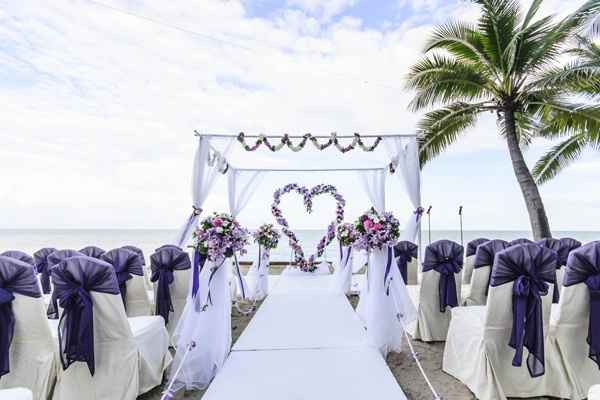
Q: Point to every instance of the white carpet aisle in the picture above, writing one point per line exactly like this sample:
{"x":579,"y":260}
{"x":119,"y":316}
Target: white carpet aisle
{"x":304,"y":343}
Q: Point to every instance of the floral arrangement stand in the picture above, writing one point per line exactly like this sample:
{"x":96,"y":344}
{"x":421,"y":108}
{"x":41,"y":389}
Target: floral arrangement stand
{"x":301,"y":262}
{"x":342,"y":276}
{"x":384,"y":304}
{"x":267,"y":238}
{"x":206,"y":318}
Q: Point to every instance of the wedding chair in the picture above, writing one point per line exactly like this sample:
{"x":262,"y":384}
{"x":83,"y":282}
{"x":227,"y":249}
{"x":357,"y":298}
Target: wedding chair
{"x":41,"y":266}
{"x":93,"y":251}
{"x":470,"y":258}
{"x":148,"y":270}
{"x":53,"y":259}
{"x":407,"y":258}
{"x":440,"y":289}
{"x":27,"y":353}
{"x":130,"y":277}
{"x":114,"y":357}
{"x":520,"y":241}
{"x":171,"y":277}
{"x":563,"y":247}
{"x":19,"y":255}
{"x":575,"y":326}
{"x":482,"y":268}
{"x":483,"y":349}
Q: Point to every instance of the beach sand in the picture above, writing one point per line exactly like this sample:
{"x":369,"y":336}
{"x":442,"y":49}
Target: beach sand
{"x":402,"y":365}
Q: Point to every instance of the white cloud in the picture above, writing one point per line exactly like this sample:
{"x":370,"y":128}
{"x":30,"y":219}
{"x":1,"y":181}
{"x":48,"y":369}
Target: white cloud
{"x":99,"y":106}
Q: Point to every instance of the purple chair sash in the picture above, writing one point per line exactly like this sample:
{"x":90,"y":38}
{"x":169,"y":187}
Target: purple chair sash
{"x":126,"y":263}
{"x":531,"y":268}
{"x":74,"y":279}
{"x":562,"y":248}
{"x":163,"y":263}
{"x":404,"y":252}
{"x":41,"y":266}
{"x":484,"y":256}
{"x":93,"y":251}
{"x":472,"y":246}
{"x":520,"y":241}
{"x":19,"y":255}
{"x":168,"y":246}
{"x":137,"y":251}
{"x":15,"y":277}
{"x":53,"y":259}
{"x":584,"y":266}
{"x":445,"y":257}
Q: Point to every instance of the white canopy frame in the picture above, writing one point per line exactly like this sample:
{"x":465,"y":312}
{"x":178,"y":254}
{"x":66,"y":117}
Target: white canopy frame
{"x":211,"y":161}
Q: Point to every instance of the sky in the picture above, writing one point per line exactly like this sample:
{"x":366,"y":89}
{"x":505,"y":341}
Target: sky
{"x":100,"y":100}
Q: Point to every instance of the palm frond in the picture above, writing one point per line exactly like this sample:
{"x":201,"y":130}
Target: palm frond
{"x":558,"y":158}
{"x":442,"y":80}
{"x":440,"y":128}
{"x":559,"y":119}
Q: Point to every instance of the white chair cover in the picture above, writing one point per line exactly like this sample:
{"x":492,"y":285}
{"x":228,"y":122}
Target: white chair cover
{"x":206,"y":321}
{"x":342,"y":275}
{"x":33,"y":358}
{"x":594,"y":393}
{"x":137,"y":300}
{"x":16,"y":394}
{"x":413,"y":272}
{"x":131,"y":355}
{"x":116,"y":355}
{"x":477,"y":296}
{"x":572,"y":371}
{"x":468,"y":269}
{"x":179,"y":293}
{"x":432,"y":325}
{"x":477,"y":351}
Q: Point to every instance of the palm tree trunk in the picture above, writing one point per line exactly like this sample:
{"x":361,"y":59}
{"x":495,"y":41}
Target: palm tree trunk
{"x":531,"y":194}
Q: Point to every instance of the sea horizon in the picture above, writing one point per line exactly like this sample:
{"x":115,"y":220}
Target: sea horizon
{"x":30,"y":240}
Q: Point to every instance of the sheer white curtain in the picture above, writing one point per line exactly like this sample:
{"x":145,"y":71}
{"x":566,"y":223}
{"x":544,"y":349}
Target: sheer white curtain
{"x":373,"y":182}
{"x":207,"y":170}
{"x":242,"y":184}
{"x":404,"y":154}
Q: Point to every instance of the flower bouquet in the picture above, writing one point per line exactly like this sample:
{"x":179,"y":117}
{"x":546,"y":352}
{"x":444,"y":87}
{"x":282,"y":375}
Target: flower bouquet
{"x":266,"y":236}
{"x":376,"y":231}
{"x":220,"y":236}
{"x":346,"y":234}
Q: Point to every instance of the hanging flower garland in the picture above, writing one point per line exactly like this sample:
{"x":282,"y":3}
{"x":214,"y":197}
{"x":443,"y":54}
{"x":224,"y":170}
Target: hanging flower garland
{"x":286,"y":141}
{"x":308,"y":265}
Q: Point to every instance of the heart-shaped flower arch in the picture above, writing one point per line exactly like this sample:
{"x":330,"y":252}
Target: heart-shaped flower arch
{"x":308,"y":195}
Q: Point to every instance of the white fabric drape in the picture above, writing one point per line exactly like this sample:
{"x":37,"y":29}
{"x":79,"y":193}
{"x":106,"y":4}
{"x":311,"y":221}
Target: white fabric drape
{"x":204,"y":177}
{"x":404,"y":153}
{"x":342,"y":276}
{"x":241,"y":186}
{"x":386,"y":312}
{"x":258,"y":276}
{"x":373,"y":182}
{"x":206,"y":321}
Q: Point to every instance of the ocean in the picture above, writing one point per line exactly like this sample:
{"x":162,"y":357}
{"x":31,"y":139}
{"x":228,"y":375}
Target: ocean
{"x":31,"y":240}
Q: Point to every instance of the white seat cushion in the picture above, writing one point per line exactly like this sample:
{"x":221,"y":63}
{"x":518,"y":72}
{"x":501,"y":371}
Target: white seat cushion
{"x":16,"y":394}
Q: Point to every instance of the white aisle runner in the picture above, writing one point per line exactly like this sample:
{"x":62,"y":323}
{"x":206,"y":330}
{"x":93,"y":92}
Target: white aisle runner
{"x":304,"y":343}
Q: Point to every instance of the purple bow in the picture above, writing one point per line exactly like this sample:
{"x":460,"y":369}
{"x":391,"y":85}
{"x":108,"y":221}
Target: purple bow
{"x":404,"y":252}
{"x":445,"y":257}
{"x":472,"y":246}
{"x":163,"y":263}
{"x":126,"y":264}
{"x":15,"y":277}
{"x":583,"y":265}
{"x":531,"y":268}
{"x":41,"y":266}
{"x":74,"y":279}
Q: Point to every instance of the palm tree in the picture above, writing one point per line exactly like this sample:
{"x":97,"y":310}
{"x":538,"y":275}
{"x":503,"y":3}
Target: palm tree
{"x":580,"y":135}
{"x":506,"y":63}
